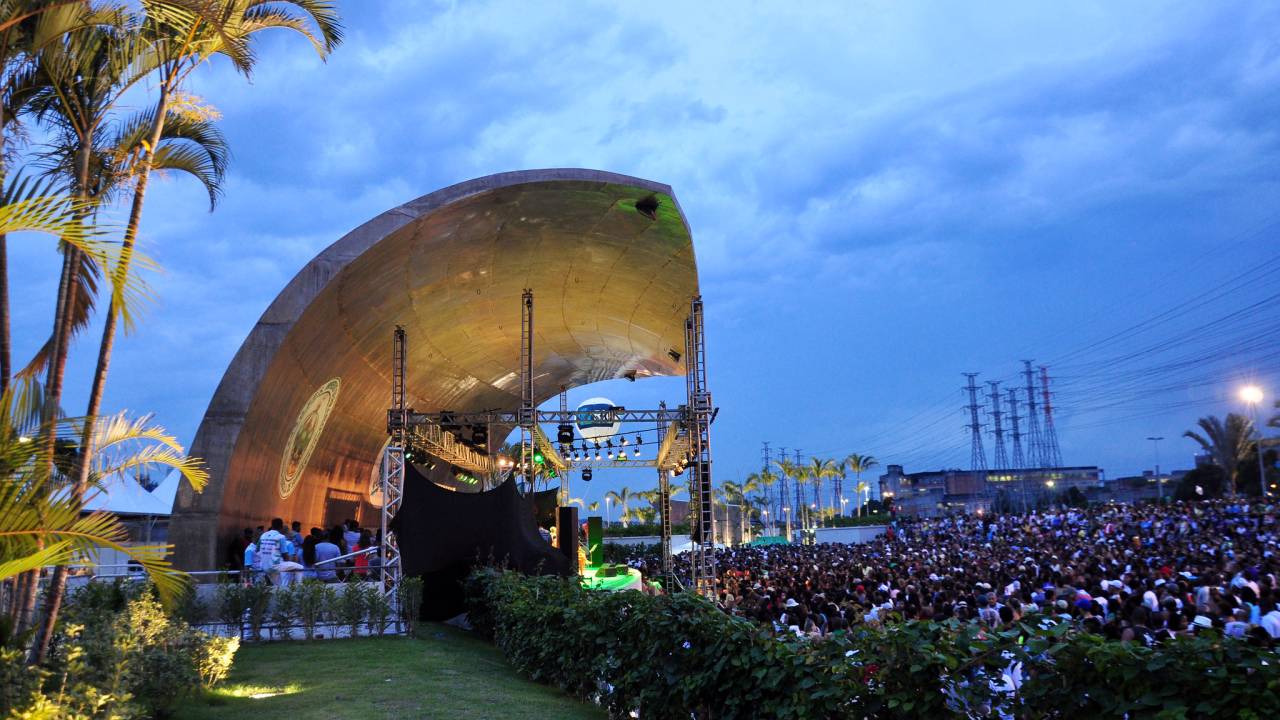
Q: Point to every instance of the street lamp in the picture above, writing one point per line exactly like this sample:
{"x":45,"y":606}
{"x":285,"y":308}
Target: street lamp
{"x":1155,"y":442}
{"x":1252,"y":396}
{"x":843,"y":502}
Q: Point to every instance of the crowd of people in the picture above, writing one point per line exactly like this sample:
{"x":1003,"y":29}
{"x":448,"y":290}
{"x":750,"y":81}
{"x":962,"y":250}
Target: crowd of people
{"x":281,"y":555}
{"x":1134,"y":573}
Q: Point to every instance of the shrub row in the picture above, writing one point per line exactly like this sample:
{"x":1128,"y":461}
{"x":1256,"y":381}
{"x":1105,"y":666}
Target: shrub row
{"x":117,"y":654}
{"x":244,"y":611}
{"x":679,"y":657}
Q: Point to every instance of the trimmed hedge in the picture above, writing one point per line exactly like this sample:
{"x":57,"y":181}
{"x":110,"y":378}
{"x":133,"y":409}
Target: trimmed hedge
{"x":678,"y":656}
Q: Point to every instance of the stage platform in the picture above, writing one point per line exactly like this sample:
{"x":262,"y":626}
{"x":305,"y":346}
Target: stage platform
{"x":591,"y":580}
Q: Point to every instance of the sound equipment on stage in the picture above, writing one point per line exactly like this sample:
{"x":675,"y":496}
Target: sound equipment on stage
{"x":595,"y":540}
{"x":567,"y":532}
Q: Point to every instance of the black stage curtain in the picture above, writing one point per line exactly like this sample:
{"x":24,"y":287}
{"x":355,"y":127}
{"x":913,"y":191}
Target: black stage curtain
{"x":442,"y":534}
{"x":544,"y":507}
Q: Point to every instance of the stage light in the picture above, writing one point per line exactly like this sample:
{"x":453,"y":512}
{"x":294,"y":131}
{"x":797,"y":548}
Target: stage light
{"x":586,"y":474}
{"x":636,"y":452}
{"x":624,"y":440}
{"x":597,"y":453}
{"x":538,"y":458}
{"x":638,"y":443}
{"x":564,"y":434}
{"x":622,"y":455}
{"x":610,"y":453}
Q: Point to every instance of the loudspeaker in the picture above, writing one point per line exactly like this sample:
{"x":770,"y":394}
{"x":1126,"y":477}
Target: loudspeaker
{"x":595,"y":540}
{"x":567,"y":533}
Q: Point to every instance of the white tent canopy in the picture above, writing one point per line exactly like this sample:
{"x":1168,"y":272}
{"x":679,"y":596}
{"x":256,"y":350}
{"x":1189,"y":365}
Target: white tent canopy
{"x":123,"y":495}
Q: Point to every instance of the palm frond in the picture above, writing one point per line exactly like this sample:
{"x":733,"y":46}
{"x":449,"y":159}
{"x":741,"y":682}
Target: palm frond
{"x":123,"y":445}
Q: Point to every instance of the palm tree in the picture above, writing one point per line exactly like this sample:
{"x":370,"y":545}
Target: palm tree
{"x":594,"y":507}
{"x":1226,"y":442}
{"x":857,"y":464}
{"x":179,"y":36}
{"x":622,"y":497}
{"x":820,"y":470}
{"x":40,"y":527}
{"x":858,"y":491}
{"x":732,"y":493}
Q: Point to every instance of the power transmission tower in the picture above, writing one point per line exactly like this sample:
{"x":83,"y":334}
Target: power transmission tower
{"x":1017,"y":433}
{"x":782,"y":494}
{"x":1035,"y":452}
{"x":1052,"y":454}
{"x":978,"y":456}
{"x":1001,"y":458}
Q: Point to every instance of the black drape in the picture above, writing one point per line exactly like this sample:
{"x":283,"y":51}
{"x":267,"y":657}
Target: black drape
{"x":443,"y":534}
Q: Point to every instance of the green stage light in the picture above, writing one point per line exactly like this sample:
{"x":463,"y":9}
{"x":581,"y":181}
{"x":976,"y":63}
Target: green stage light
{"x":537,"y":458}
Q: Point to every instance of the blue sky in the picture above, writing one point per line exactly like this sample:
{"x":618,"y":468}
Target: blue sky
{"x":883,"y":195}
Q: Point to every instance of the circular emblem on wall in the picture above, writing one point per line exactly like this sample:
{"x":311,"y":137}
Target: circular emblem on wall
{"x":306,"y":434}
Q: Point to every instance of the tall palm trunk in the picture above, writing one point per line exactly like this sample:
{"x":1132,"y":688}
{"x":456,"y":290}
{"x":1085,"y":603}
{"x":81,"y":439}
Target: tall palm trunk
{"x":62,"y":323}
{"x":6,"y":362}
{"x":58,"y":583}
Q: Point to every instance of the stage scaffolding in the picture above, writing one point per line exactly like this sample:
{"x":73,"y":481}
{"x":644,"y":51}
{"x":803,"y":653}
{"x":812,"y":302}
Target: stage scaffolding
{"x":684,"y":445}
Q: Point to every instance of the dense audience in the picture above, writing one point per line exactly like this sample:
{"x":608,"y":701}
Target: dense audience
{"x":282,"y":556}
{"x":1139,"y":574}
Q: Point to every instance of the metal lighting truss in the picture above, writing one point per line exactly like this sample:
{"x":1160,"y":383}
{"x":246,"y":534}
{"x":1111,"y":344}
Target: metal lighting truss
{"x":684,"y":442}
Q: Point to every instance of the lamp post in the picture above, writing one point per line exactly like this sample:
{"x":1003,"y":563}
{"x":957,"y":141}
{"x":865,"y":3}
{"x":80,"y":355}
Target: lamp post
{"x":1252,"y":396}
{"x":843,"y":502}
{"x":608,"y":510}
{"x":1155,"y":443}
{"x":765,"y":513}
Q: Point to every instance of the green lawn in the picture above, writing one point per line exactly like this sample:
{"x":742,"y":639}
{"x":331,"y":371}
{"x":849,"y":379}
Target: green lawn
{"x":444,"y":673}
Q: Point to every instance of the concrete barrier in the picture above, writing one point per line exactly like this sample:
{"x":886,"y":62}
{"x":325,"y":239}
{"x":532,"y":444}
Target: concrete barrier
{"x":849,"y":535}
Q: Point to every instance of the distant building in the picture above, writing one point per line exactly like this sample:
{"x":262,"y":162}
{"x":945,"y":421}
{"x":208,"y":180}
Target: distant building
{"x":941,"y":492}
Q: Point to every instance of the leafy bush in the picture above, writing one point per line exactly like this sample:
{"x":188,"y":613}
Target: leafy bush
{"x":409,"y":594}
{"x":314,"y":599}
{"x":379,"y":612}
{"x":117,"y":654}
{"x":677,"y":656}
{"x":284,"y":609}
{"x":352,"y":604}
{"x":257,"y":600}
{"x":231,"y":602}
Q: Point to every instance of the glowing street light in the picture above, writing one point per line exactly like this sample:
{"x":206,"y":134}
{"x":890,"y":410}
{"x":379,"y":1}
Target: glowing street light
{"x":1252,"y":396}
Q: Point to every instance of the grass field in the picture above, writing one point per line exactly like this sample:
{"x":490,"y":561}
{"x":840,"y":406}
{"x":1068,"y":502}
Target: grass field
{"x":444,"y":673}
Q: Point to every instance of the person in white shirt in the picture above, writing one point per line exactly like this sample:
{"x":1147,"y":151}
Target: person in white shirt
{"x":271,"y":547}
{"x":1270,"y":621}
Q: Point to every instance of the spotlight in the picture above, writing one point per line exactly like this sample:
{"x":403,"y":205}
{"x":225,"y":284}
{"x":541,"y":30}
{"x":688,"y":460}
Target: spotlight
{"x":624,"y":440}
{"x":610,"y":453}
{"x":564,"y":434}
{"x":636,"y":452}
{"x":638,"y":442}
{"x":622,"y":455}
{"x":597,"y":453}
{"x":586,"y":474}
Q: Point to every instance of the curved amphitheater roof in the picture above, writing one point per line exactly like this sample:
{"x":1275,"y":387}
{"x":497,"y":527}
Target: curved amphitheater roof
{"x":299,"y":419}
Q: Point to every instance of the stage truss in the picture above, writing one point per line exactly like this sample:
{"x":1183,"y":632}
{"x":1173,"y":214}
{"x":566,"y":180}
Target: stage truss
{"x":684,"y":445}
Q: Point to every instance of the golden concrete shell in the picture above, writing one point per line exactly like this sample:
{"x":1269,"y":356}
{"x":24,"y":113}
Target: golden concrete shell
{"x":611,"y":283}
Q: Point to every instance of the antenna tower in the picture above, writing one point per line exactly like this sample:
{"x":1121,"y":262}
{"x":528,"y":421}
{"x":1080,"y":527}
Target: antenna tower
{"x":978,"y":457}
{"x":1001,"y":458}
{"x":1035,"y":450}
{"x":1052,"y":454}
{"x":1012,"y":395}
